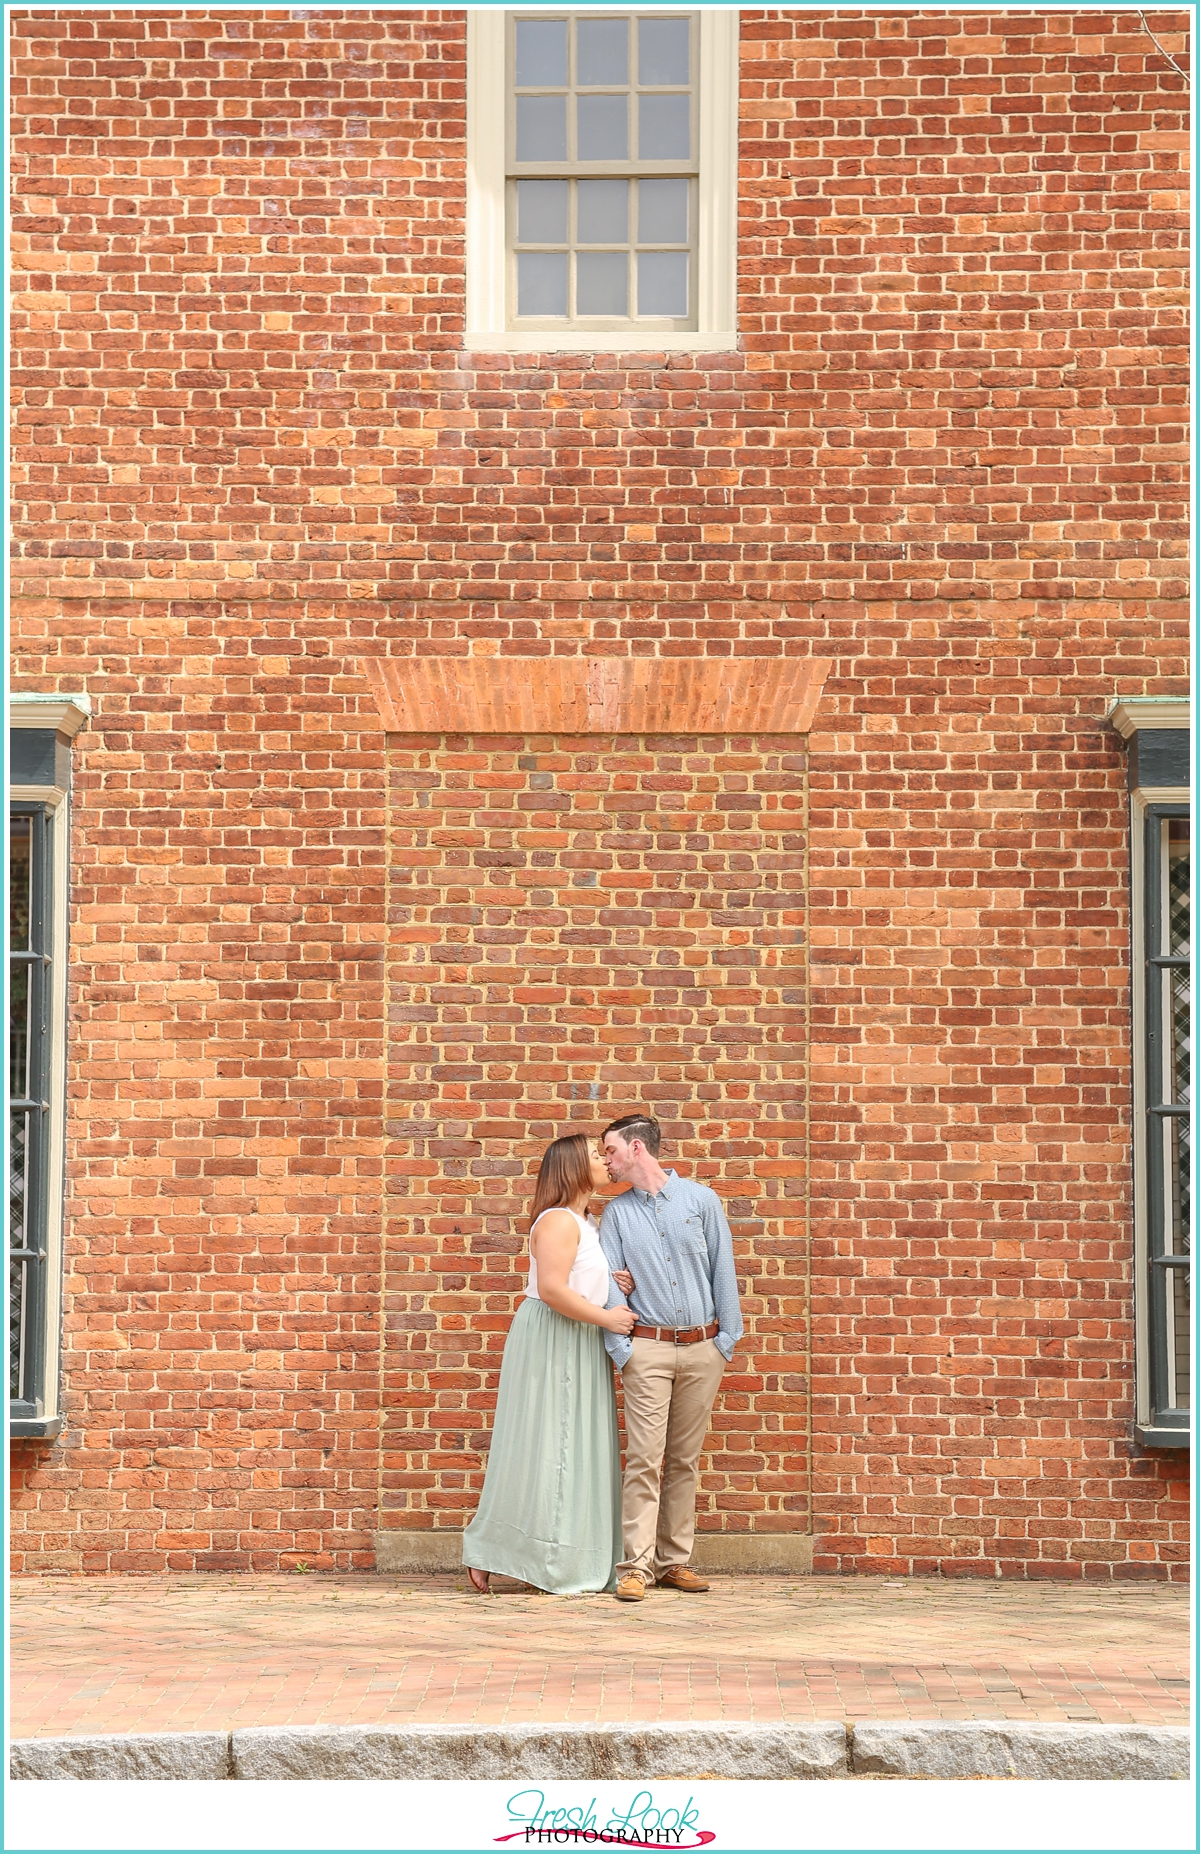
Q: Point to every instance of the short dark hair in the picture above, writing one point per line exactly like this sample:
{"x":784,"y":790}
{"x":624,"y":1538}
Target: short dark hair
{"x":637,"y":1126}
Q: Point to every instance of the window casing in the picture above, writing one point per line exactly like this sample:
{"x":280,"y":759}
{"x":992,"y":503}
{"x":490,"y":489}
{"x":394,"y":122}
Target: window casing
{"x":30,"y":960}
{"x":1163,"y":996}
{"x":601,"y":179}
{"x":40,"y":735}
{"x":1156,"y":733}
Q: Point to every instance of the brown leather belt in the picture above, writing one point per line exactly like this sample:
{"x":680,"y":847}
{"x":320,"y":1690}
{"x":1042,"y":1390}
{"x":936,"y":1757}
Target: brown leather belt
{"x":682,"y":1335}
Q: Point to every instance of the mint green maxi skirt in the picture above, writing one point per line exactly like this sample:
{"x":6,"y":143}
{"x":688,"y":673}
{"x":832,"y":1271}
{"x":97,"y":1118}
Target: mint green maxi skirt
{"x":550,"y":1510}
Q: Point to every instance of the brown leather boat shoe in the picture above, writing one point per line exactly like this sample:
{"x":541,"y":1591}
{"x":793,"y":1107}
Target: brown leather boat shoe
{"x":631,"y":1588}
{"x":680,"y":1578}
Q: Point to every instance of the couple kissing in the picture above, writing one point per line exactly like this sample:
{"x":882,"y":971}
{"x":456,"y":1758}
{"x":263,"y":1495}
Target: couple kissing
{"x":652,"y":1292}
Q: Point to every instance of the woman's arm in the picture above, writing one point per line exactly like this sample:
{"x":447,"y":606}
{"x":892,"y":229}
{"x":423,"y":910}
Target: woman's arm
{"x":555,"y":1246}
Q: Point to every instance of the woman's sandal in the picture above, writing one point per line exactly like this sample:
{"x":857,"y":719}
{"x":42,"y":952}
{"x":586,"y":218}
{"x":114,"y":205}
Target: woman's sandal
{"x":480,"y":1580}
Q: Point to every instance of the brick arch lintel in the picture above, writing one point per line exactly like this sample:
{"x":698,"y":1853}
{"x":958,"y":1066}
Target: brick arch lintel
{"x":596,"y":695}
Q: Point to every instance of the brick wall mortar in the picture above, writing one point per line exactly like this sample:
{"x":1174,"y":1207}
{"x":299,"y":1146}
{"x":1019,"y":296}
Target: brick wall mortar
{"x":579,"y":926}
{"x":972,"y":1304}
{"x":949,"y":455}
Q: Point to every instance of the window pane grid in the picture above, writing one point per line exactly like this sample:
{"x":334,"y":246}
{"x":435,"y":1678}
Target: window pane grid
{"x":1178,"y":1042}
{"x":18,"y":1298}
{"x":601,"y":263}
{"x":1168,"y":1122}
{"x":27,"y":1055}
{"x":603,"y":88}
{"x":602,"y":138}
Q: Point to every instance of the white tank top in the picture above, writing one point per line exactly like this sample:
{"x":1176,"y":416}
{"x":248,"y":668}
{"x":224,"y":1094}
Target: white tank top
{"x":589,"y":1271}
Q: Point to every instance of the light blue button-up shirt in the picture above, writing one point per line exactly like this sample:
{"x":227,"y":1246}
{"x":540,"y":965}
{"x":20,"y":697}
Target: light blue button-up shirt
{"x":677,"y":1246}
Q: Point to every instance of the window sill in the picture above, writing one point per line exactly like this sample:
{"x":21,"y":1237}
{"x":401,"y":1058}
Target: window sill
{"x":609,"y":341}
{"x":1152,"y":1436}
{"x":40,"y":1428}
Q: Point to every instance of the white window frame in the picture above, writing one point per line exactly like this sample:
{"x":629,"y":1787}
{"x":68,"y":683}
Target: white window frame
{"x":716,"y":233}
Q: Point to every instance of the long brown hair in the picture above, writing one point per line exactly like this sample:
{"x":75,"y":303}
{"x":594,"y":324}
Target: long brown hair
{"x":565,"y":1172}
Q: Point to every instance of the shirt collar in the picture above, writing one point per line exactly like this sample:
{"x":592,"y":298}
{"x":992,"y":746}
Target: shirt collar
{"x":648,"y":1197}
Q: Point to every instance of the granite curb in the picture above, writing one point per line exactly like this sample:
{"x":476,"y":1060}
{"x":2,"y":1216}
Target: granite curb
{"x":596,"y":1753}
{"x":1047,"y":1752}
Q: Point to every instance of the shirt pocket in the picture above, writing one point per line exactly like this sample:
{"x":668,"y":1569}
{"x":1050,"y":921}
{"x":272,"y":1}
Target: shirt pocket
{"x":692,"y":1240}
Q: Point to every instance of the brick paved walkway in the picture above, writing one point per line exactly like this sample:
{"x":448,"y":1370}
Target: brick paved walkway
{"x":189,"y":1653}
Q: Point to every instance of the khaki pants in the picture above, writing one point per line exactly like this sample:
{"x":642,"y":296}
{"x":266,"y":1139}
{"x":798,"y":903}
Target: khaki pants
{"x":669,"y":1394}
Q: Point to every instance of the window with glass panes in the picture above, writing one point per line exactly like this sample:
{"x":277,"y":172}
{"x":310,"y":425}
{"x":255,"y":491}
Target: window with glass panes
{"x":1168,"y":1094}
{"x":603,"y":165}
{"x":29,"y":956}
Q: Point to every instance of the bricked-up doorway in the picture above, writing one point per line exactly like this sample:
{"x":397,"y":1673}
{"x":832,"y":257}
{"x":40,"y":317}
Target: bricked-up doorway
{"x":596,"y":901}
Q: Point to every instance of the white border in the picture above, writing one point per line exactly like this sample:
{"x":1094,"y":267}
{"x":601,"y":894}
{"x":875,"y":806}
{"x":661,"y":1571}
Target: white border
{"x":899,"y":1814}
{"x":467,"y":1815}
{"x":716,"y":253}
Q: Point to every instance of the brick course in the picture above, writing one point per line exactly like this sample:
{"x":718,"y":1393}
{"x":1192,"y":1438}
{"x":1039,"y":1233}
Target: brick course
{"x":577,"y":922}
{"x":972,"y":1314}
{"x":250,"y":453}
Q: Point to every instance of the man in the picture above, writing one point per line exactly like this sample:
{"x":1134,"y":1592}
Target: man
{"x":671,"y":1234}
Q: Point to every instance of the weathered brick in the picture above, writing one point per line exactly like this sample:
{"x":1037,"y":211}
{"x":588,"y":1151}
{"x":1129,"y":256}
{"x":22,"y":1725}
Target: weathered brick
{"x":250,"y":454}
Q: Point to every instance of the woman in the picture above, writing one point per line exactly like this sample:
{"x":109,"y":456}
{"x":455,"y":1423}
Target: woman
{"x":550,"y":1510}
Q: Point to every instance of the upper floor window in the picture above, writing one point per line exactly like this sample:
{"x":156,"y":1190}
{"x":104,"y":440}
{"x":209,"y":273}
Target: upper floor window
{"x":602,"y":170}
{"x":601,"y":179}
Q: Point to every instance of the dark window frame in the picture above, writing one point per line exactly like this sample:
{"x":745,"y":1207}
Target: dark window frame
{"x":1169,"y":1424}
{"x":30,"y":1405}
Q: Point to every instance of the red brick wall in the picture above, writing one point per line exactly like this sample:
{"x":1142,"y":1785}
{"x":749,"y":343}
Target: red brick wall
{"x":577,"y":927}
{"x":949,"y":457}
{"x":972,"y":1330}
